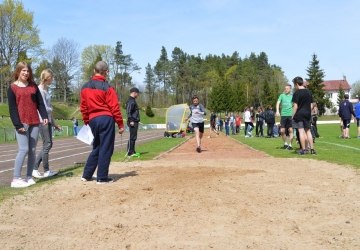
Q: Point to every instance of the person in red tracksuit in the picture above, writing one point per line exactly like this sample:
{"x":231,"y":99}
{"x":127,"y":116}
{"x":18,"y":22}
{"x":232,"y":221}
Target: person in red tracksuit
{"x":100,"y":109}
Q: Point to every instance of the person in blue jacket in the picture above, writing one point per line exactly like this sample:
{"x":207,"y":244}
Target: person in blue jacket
{"x":357,"y":116}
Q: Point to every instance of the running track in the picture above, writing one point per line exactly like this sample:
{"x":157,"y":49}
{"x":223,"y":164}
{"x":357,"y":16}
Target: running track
{"x":65,"y":153}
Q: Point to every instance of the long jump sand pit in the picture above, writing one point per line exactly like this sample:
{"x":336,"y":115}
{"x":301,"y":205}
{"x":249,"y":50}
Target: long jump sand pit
{"x":227,"y":197}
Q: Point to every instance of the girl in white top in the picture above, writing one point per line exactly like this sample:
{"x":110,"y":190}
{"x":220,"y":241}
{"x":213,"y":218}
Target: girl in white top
{"x":46,"y":78}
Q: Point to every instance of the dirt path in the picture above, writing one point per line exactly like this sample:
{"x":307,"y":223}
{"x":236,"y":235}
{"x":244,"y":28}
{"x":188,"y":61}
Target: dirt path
{"x":227,"y":197}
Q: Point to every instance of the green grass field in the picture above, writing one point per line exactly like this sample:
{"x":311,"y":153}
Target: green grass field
{"x":329,"y":146}
{"x":150,"y":150}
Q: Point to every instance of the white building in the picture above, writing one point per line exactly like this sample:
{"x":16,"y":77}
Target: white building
{"x":332,"y":88}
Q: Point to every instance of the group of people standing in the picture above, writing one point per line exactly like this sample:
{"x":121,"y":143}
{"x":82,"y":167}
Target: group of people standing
{"x":31,"y":114}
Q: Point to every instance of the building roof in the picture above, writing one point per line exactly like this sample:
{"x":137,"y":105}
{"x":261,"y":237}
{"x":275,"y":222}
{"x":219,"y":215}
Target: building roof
{"x":334,"y":85}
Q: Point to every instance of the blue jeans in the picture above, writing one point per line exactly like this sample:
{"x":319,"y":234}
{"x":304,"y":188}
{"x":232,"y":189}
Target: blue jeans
{"x":103,"y":129}
{"x":43,"y":156}
{"x":75,"y":130}
{"x":27,"y":146}
{"x":227,"y":130}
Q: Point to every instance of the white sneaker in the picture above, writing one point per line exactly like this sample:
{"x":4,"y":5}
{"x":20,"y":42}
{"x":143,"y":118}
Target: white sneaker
{"x":37,"y":174}
{"x":50,"y":173}
{"x":19,"y":183}
{"x":30,"y":181}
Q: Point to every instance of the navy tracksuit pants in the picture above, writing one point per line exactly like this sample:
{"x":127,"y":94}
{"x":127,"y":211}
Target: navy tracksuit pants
{"x":103,"y":129}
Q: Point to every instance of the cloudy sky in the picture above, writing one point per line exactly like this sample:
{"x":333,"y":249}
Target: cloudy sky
{"x":288,"y":31}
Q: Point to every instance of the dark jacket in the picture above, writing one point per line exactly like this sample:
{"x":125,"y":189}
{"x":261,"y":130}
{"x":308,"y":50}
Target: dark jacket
{"x":346,"y":110}
{"x":270,"y":116}
{"x":132,"y":110}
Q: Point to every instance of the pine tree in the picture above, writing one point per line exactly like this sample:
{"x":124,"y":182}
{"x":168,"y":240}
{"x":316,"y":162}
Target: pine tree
{"x":315,"y":84}
{"x":341,"y":95}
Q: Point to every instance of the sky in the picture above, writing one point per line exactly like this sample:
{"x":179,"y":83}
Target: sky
{"x":288,"y":31}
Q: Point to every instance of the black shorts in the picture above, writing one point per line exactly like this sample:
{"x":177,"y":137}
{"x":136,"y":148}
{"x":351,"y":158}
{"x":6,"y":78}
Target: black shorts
{"x":346,"y":123}
{"x":286,"y":122}
{"x":200,"y":126}
{"x":302,"y":124}
{"x":358,"y":122}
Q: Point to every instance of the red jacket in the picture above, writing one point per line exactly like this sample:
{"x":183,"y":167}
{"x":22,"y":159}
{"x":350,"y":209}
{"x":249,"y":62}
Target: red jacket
{"x":98,"y":98}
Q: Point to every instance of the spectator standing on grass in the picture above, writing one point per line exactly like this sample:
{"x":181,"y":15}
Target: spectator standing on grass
{"x":75,"y":125}
{"x":357,"y":116}
{"x":46,"y":78}
{"x":196,"y":116}
{"x":259,"y":127}
{"x":303,"y":103}
{"x":133,"y":119}
{"x":284,"y":109}
{"x":25,"y":101}
{"x":249,"y":126}
{"x":100,"y":110}
{"x":237,"y":123}
{"x":270,"y":121}
{"x":314,"y":118}
{"x":227,"y":124}
{"x":345,"y":111}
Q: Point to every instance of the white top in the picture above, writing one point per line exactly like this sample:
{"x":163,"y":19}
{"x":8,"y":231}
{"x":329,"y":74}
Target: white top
{"x":247,"y":116}
{"x":47,"y":102}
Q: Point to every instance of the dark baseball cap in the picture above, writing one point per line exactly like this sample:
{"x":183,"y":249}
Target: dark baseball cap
{"x":134,"y":89}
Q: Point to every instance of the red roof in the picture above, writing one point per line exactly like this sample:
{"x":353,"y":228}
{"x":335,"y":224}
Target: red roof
{"x":334,"y":85}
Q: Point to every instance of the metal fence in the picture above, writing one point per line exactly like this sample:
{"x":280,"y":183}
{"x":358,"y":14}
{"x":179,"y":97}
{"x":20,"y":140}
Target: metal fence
{"x":8,"y":134}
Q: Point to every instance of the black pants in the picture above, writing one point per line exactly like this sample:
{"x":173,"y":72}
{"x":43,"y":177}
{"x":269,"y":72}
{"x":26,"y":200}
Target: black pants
{"x":270,"y":129}
{"x":133,"y":136}
{"x":259,"y":128}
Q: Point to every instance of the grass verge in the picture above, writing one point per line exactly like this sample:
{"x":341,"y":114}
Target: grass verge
{"x":329,"y":146}
{"x":150,"y":150}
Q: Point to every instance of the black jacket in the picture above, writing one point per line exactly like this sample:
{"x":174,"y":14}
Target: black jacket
{"x":132,"y":110}
{"x":346,"y":110}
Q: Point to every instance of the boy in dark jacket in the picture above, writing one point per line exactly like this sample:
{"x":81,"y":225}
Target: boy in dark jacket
{"x":345,"y":111}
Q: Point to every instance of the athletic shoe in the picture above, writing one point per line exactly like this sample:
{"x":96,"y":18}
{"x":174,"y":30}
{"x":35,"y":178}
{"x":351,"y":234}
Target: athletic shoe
{"x":85,"y":179}
{"x":289,"y":148}
{"x":30,"y":181}
{"x":37,"y":174}
{"x":105,"y":181}
{"x":50,"y":173}
{"x":301,"y":152}
{"x":312,"y":151}
{"x":19,"y":183}
{"x":198,"y":149}
{"x":285,"y":146}
{"x":246,"y":136}
{"x":133,"y":155}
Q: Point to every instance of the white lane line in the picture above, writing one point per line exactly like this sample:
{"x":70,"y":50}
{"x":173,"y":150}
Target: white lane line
{"x":67,"y":156}
{"x":56,"y":151}
{"x":339,"y":145}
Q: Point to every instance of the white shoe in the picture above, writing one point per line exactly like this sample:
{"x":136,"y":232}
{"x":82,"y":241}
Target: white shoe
{"x":50,"y":173}
{"x":19,"y":183}
{"x":30,"y":181}
{"x":37,"y":174}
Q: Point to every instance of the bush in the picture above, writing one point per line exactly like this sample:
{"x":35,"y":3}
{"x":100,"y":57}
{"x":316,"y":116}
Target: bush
{"x":149,"y":111}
